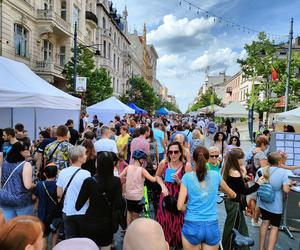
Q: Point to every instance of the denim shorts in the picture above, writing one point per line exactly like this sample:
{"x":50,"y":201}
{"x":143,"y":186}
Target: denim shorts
{"x":207,"y":232}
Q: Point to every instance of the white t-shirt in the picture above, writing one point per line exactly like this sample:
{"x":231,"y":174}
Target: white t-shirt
{"x":106,"y":145}
{"x":73,"y":190}
{"x":85,"y":121}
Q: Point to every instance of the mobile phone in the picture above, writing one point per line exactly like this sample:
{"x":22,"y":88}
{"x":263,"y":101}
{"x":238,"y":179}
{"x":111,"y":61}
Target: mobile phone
{"x":259,"y":174}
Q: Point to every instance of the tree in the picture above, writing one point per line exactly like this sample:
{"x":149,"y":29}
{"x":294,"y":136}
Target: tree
{"x":210,"y":97}
{"x":170,"y":106}
{"x":261,"y":58}
{"x":98,"y":81}
{"x":140,"y":93}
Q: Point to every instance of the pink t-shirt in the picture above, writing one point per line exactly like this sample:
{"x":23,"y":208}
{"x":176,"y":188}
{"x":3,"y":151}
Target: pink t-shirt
{"x":134,"y":187}
{"x":139,"y":143}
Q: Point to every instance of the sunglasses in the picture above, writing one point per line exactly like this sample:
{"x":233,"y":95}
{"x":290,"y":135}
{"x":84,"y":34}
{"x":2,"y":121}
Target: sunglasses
{"x":175,"y":152}
{"x":214,"y":156}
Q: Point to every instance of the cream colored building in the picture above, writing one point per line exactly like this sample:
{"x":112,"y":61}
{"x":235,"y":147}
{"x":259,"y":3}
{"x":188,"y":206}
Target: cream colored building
{"x":112,"y":34}
{"x":40,"y":33}
{"x":232,"y":89}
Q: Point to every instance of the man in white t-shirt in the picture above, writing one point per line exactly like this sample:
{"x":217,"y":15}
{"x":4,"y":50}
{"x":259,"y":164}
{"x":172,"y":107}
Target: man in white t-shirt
{"x":105,"y":144}
{"x":71,"y":217}
{"x":85,"y":121}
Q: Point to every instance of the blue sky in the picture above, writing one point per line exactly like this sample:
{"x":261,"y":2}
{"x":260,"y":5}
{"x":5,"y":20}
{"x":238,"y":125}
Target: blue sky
{"x":188,"y":42}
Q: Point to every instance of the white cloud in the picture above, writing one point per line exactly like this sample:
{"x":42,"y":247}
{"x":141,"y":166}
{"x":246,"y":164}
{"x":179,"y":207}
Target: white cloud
{"x":180,"y":35}
{"x":173,"y":65}
{"x":222,"y":57}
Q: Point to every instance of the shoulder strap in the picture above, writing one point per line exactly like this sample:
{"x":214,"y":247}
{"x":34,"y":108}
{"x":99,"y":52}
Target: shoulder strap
{"x":16,"y":168}
{"x":52,"y":153}
{"x":66,"y":189}
{"x":47,"y":192}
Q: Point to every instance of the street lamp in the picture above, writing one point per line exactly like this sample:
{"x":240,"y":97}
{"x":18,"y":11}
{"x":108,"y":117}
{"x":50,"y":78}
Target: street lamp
{"x":97,"y":53}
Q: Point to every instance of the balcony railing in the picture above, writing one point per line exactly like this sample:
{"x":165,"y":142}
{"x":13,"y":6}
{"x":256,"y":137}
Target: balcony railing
{"x":49,"y":67}
{"x":52,"y":16}
{"x":91,"y":16}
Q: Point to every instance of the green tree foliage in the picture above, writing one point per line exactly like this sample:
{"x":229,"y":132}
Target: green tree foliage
{"x":98,"y":81}
{"x":168,"y":105}
{"x":210,"y":97}
{"x":261,"y":58}
{"x":140,"y":93}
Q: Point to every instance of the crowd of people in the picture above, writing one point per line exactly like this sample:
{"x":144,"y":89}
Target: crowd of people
{"x":75,"y":188}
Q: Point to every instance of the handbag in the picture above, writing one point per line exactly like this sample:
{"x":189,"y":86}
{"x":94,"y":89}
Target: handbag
{"x":266,"y":192}
{"x":9,"y":198}
{"x":119,"y":215}
{"x":57,"y":210}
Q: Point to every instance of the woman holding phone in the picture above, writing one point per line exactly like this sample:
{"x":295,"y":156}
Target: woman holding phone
{"x":168,"y":175}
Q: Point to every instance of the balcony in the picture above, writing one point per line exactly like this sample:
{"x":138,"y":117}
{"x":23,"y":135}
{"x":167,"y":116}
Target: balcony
{"x":48,"y":67}
{"x":90,"y":16}
{"x":49,"y":17}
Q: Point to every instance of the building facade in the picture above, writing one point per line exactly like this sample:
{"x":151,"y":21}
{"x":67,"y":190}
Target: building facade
{"x":114,"y":45}
{"x":41,"y":35}
{"x":232,"y":89}
{"x":217,"y":82}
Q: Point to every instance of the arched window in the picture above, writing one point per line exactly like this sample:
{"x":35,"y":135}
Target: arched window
{"x":20,"y":40}
{"x":103,"y":23}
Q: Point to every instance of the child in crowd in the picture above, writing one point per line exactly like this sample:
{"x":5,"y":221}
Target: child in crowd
{"x":213,"y":162}
{"x":45,"y":193}
{"x":134,"y":186}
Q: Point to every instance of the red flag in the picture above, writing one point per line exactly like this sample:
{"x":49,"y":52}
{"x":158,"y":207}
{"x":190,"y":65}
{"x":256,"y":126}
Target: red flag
{"x":274,"y":74}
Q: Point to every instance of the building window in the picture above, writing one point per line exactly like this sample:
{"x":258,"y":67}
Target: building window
{"x":115,"y":38}
{"x":118,"y":64}
{"x":75,"y":16}
{"x":103,"y":23}
{"x":104,"y":49}
{"x":119,"y":42}
{"x":48,"y":50}
{"x":21,"y":40}
{"x":47,"y":4}
{"x":118,"y":86}
{"x":63,"y":10}
{"x":109,"y":51}
{"x":62,"y":56}
{"x":114,"y":84}
{"x":114,"y":61}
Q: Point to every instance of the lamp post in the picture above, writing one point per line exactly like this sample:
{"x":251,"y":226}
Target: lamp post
{"x":76,"y":54}
{"x":289,"y":68}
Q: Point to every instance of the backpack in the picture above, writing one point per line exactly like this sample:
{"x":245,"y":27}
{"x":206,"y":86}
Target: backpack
{"x":211,"y":128}
{"x":266,"y":192}
{"x":250,"y":167}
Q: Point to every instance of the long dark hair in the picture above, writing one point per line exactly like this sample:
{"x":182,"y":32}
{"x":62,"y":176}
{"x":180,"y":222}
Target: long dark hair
{"x":200,"y":156}
{"x":105,"y":168}
{"x":180,"y":150}
{"x":238,"y":142}
{"x":232,"y":162}
{"x":216,"y":137}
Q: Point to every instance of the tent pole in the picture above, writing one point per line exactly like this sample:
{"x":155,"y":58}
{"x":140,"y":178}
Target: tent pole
{"x":34,"y":110}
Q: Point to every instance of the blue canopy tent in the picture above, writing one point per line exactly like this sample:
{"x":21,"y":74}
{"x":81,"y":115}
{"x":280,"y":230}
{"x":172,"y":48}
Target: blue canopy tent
{"x":137,"y":109}
{"x":162,"y":111}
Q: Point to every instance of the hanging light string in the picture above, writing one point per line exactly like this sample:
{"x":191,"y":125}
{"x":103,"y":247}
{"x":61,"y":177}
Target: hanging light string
{"x":228,"y":22}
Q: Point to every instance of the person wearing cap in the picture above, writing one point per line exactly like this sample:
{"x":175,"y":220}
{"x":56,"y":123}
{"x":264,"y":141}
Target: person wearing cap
{"x":74,"y":135}
{"x":134,"y":187}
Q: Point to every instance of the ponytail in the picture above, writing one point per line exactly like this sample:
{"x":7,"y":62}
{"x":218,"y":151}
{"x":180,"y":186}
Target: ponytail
{"x":200,"y":156}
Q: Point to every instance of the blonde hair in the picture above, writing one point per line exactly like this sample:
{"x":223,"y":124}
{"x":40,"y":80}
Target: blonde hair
{"x":214,"y":149}
{"x":196,"y":134}
{"x":273,"y":160}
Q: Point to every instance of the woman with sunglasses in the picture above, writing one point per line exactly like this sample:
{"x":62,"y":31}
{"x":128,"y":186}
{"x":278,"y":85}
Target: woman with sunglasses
{"x":234,"y":142}
{"x":220,"y":142}
{"x":168,"y":176}
{"x":200,"y":187}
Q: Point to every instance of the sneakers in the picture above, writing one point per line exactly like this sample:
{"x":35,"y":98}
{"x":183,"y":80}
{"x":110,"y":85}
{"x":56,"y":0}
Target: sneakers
{"x":256,"y":224}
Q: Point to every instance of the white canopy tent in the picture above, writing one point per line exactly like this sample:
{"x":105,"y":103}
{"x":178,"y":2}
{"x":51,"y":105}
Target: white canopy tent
{"x":234,"y":109}
{"x":291,"y":117}
{"x":27,"y":98}
{"x":108,"y":109}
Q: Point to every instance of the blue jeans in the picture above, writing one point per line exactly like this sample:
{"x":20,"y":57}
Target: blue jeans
{"x":197,"y":232}
{"x":10,"y":213}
